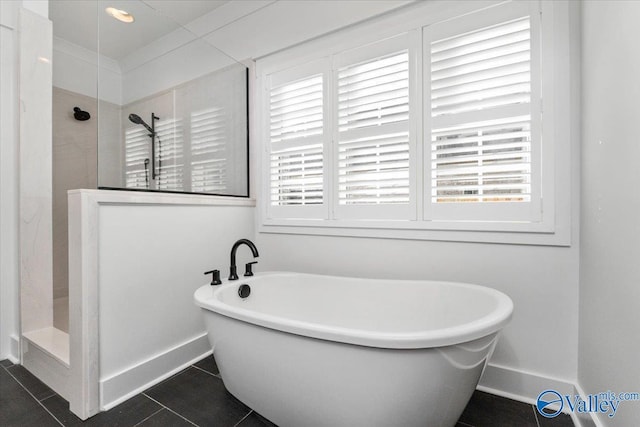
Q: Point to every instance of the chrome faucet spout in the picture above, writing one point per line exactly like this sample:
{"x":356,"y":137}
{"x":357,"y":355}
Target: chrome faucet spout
{"x":233,"y":274}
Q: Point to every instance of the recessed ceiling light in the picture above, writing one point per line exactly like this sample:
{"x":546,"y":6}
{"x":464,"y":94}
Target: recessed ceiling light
{"x":120,"y":15}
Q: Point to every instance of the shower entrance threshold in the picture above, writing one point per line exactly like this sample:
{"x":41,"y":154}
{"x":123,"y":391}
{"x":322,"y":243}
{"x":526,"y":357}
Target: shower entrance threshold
{"x":52,"y":341}
{"x":45,"y":353}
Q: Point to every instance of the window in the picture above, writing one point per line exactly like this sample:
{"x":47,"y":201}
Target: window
{"x":370,"y":125}
{"x":297,"y":141}
{"x":435,"y":130}
{"x":373,"y":141}
{"x":482,"y":126}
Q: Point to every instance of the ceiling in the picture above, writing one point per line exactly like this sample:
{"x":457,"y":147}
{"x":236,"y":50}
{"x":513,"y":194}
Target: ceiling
{"x":84,"y":22}
{"x":235,"y":29}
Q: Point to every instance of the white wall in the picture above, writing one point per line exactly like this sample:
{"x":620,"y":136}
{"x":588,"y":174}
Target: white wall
{"x":170,"y":70}
{"x":610,"y":249}
{"x":151,"y":259}
{"x":282,"y":24}
{"x":77,"y":69}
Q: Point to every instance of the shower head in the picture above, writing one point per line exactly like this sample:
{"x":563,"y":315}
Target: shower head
{"x":138,"y":120}
{"x":80,"y":115}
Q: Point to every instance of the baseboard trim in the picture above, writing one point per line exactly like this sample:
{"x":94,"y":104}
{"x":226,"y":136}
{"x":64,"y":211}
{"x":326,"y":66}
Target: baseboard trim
{"x":520,"y":385}
{"x":131,"y":381}
{"x":588,"y":419}
{"x":526,"y":386}
{"x":14,"y":349}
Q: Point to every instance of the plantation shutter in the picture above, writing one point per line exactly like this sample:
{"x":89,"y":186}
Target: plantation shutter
{"x":482,"y":138}
{"x":169,"y":155}
{"x":137,"y":151}
{"x":374,"y":145}
{"x":209,"y":151}
{"x":297,"y":142}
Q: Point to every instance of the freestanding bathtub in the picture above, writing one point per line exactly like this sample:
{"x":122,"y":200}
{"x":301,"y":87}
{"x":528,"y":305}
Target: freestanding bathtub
{"x":308,"y":350}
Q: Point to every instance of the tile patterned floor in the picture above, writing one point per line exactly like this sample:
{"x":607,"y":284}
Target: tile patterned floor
{"x":197,"y":397}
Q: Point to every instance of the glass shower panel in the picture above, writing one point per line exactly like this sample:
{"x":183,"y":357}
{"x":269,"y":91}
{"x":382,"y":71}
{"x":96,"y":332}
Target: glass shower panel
{"x":173,"y":108}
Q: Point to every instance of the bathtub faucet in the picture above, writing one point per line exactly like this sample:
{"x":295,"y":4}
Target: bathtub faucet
{"x":233,"y":275}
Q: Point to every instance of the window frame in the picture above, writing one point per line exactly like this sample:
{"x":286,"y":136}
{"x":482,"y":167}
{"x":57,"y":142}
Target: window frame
{"x":558,"y":102}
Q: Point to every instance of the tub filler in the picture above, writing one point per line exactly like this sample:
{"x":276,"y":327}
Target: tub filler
{"x":308,"y":350}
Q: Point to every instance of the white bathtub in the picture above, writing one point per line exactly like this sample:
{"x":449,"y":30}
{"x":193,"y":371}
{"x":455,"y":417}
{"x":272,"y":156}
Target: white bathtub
{"x":307,"y":350}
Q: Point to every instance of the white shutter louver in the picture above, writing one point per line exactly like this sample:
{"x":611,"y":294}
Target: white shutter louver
{"x":482,"y":163}
{"x":480,"y":89}
{"x":137,"y":150}
{"x":373,"y":131}
{"x":296,"y":140}
{"x":169,"y":155}
{"x":374,"y":93}
{"x":208,"y":151}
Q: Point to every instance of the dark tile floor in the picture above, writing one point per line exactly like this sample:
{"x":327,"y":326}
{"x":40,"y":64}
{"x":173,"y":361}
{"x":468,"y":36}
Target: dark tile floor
{"x":196,"y":396}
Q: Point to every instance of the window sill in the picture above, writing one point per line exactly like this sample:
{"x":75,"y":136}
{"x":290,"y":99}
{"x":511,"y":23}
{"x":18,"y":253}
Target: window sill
{"x":476,"y":232}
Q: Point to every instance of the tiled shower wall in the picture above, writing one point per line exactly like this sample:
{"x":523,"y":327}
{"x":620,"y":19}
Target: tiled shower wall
{"x":75,"y":165}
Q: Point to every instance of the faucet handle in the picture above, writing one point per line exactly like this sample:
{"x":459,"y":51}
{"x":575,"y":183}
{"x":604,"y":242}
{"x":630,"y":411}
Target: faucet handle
{"x":247,"y":268}
{"x":215,"y":278}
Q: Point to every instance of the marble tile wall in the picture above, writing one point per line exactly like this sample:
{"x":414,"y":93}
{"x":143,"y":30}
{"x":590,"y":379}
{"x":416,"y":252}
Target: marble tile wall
{"x":9,"y":211}
{"x":35,"y":172}
{"x":110,"y":146}
{"x":74,"y":166}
